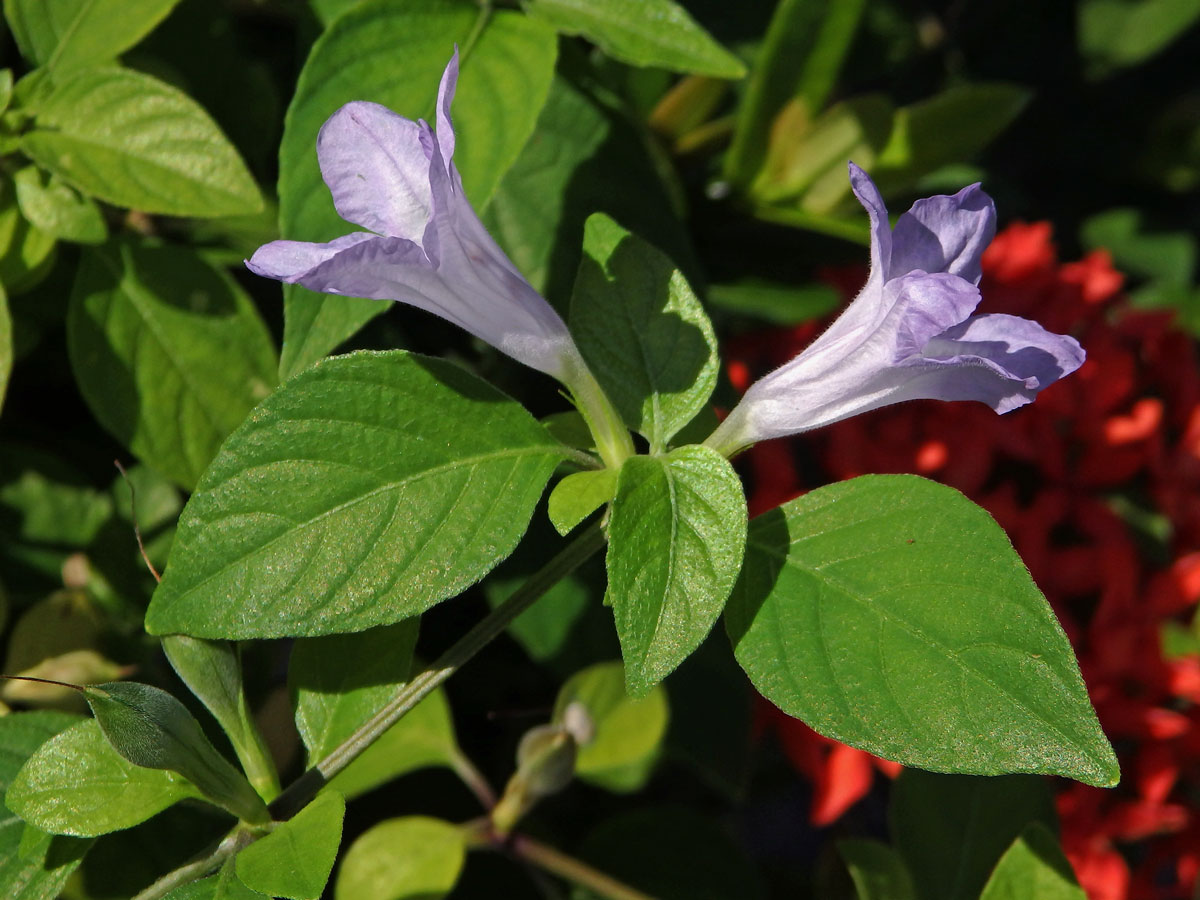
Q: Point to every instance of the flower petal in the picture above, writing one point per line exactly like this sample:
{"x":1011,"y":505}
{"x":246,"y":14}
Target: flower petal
{"x":923,"y":306}
{"x":289,"y":261}
{"x":881,"y":229}
{"x":445,"y":128}
{"x":377,"y":169}
{"x":944,"y":234}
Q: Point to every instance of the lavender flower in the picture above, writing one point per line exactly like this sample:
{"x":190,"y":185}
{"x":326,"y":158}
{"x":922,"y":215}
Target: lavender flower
{"x":909,"y":334}
{"x":426,"y":247}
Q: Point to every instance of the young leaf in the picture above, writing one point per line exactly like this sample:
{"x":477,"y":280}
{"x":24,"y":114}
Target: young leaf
{"x":25,"y":250}
{"x":151,"y":728}
{"x":676,"y":538}
{"x":657,"y":33}
{"x":169,"y":353}
{"x":424,"y":737}
{"x":33,"y":864}
{"x":212,"y":670}
{"x":891,"y":613}
{"x":413,"y":858}
{"x":628,"y":733}
{"x":642,"y":331}
{"x":134,"y":141}
{"x":70,"y":33}
{"x":362,"y":492}
{"x":1034,"y":866}
{"x":391,"y":53}
{"x":294,"y":860}
{"x":951,"y":829}
{"x":339,"y":681}
{"x":878,"y":871}
{"x":578,"y":496}
{"x":57,"y":209}
{"x":77,"y":784}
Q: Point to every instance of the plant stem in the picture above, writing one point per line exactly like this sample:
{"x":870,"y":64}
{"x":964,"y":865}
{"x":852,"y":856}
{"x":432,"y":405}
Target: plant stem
{"x":572,"y":869}
{"x":475,"y":780}
{"x":412,"y":693}
{"x":198,"y":868}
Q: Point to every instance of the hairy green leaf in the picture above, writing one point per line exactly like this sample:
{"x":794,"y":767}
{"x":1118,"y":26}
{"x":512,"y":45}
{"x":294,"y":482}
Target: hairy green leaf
{"x":295,"y":859}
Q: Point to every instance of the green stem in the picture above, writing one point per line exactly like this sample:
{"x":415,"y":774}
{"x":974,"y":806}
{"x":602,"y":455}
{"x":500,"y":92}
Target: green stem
{"x":409,"y":695}
{"x":613,"y":442}
{"x":573,"y":870}
{"x":198,"y":868}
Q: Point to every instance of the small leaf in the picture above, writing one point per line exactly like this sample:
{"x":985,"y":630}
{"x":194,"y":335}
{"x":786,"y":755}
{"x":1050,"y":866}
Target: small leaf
{"x":1034,"y":866}
{"x":169,"y":353}
{"x":657,"y":33}
{"x":57,"y":209}
{"x":361,"y":492}
{"x":134,"y":141}
{"x":676,"y":540}
{"x":578,"y":496}
{"x":77,"y":784}
{"x":413,"y":858}
{"x":151,"y":728}
{"x":341,"y":680}
{"x":628,"y":733}
{"x":225,"y":885}
{"x":71,"y":33}
{"x":891,"y":613}
{"x":642,"y":331}
{"x":424,"y":737}
{"x":294,"y":860}
{"x":393,"y":54}
{"x":878,"y":871}
{"x":26,"y":252}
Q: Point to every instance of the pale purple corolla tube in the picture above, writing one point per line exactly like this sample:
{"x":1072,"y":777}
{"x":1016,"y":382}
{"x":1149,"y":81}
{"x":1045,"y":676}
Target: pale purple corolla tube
{"x":426,"y":247}
{"x":909,"y":334}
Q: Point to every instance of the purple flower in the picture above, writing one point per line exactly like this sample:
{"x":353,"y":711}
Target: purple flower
{"x":909,"y":334}
{"x":426,"y":247}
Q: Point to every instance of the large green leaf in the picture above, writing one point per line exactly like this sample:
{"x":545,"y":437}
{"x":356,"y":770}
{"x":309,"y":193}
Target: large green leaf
{"x":952,"y":829}
{"x":66,"y":33}
{"x":341,"y":680}
{"x":676,"y":537}
{"x":294,"y":860}
{"x":394,"y":54}
{"x":891,"y":613}
{"x":657,"y":33}
{"x":413,"y":858}
{"x":628,"y":733}
{"x":77,"y":784}
{"x":1034,"y":866}
{"x":39,"y":870}
{"x":134,"y":141}
{"x":169,"y":353}
{"x":583,"y":157}
{"x":642,"y":331}
{"x":360,"y":493}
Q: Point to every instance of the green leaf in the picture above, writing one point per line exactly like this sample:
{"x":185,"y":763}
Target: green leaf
{"x":26,"y":252}
{"x":628,"y":733}
{"x":950,"y":127}
{"x":150,"y":728}
{"x":1139,"y":249}
{"x":583,"y":157}
{"x":394,"y":54}
{"x":57,"y":209}
{"x":1114,"y":34}
{"x":775,"y":303}
{"x":6,"y":344}
{"x":77,"y":784}
{"x":131,"y":140}
{"x":6,"y":89}
{"x":294,"y":860}
{"x":413,"y":858}
{"x":578,"y":496}
{"x":878,"y":871}
{"x":361,"y":492}
{"x":33,"y":864}
{"x":800,"y":58}
{"x":47,"y":502}
{"x":676,"y":538}
{"x":642,"y":331}
{"x":169,"y":353}
{"x":891,"y":613}
{"x":951,"y":829}
{"x":225,"y":885}
{"x":340,"y":681}
{"x":656,"y":33}
{"x":424,"y":737}
{"x":1034,"y":866}
{"x":71,"y":33}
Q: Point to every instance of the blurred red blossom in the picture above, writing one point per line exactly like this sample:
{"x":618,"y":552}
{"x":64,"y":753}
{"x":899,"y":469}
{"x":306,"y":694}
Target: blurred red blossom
{"x":1098,"y":486}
